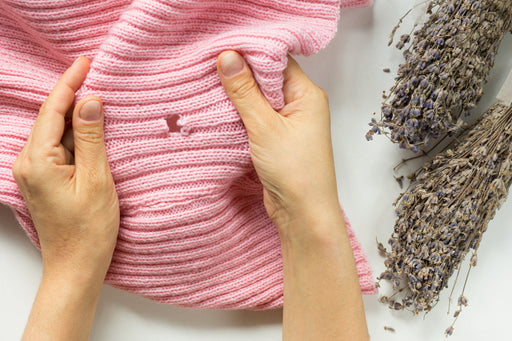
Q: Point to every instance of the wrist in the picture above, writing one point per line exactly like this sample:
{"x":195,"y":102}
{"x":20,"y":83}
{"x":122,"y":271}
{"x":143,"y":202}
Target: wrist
{"x":321,"y":223}
{"x":74,"y":284}
{"x":64,"y":306}
{"x":76,"y":274}
{"x":292,"y":206}
{"x":76,"y":265}
{"x":73,"y":294}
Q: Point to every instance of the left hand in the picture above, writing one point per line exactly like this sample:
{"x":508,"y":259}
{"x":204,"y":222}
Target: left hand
{"x":71,"y":198}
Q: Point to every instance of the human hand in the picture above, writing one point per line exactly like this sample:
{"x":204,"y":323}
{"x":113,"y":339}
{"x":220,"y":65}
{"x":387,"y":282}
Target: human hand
{"x":292,"y":154}
{"x":291,"y":149}
{"x":72,"y":199}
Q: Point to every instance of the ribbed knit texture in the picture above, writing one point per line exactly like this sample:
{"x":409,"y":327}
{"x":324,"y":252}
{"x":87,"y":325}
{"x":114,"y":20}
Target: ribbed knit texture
{"x":194,"y":231}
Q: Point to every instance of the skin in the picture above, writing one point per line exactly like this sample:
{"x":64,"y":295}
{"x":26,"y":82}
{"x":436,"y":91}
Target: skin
{"x":66,"y":182}
{"x":292,"y":153}
{"x":75,"y":209}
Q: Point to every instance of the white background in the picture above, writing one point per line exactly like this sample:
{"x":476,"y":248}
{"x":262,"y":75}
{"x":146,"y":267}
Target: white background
{"x":350,"y":70}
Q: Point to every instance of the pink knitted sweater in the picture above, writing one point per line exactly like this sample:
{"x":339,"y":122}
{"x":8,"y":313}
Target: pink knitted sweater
{"x":193,"y":231}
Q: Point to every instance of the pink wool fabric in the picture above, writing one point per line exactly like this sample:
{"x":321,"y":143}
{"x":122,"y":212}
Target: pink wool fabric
{"x":194,"y":231}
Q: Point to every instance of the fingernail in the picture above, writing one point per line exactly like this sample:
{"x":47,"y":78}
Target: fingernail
{"x":91,"y":111}
{"x":76,"y":60}
{"x":231,"y":64}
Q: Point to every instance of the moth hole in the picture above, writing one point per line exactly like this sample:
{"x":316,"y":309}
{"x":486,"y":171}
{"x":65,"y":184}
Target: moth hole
{"x":172,"y":123}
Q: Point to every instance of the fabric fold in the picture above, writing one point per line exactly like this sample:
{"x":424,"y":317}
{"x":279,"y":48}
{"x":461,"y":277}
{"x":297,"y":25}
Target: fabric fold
{"x":193,"y":231}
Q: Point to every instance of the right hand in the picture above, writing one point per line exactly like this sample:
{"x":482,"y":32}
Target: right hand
{"x":291,"y":149}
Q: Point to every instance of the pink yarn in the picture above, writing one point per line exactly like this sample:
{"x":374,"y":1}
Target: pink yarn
{"x":194,"y":231}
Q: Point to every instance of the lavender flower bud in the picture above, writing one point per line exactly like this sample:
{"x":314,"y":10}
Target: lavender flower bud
{"x":448,"y":61}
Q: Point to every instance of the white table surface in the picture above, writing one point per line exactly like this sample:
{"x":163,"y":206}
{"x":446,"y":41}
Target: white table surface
{"x":350,"y":70}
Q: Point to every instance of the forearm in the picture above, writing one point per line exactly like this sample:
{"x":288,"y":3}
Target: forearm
{"x":322,"y":297}
{"x":64,"y":308}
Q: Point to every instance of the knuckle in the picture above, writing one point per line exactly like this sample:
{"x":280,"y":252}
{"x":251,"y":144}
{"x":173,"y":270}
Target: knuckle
{"x":16,"y":169}
{"x":98,"y":180}
{"x":321,"y":93}
{"x":318,"y":96}
{"x":89,"y":135}
{"x":23,"y":172}
{"x":43,"y":108}
{"x":243,"y":88}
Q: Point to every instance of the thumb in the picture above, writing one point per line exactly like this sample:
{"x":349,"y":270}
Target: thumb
{"x":243,"y":91}
{"x":88,"y":134}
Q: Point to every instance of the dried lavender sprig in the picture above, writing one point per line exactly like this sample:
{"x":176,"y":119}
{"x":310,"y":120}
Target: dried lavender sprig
{"x":444,"y":212}
{"x":445,"y":68}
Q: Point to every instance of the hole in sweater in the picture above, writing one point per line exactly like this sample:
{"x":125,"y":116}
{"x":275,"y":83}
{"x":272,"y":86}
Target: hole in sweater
{"x":172,"y":123}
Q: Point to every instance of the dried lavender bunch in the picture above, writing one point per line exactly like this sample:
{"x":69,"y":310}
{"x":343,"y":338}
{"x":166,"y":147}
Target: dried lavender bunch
{"x":444,"y":212}
{"x":445,"y":67}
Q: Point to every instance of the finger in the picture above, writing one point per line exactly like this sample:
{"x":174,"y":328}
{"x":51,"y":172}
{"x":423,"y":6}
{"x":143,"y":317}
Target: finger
{"x":69,"y":146}
{"x":68,"y":140}
{"x":49,"y":126}
{"x":297,"y":84}
{"x":243,"y":91}
{"x":88,"y":135}
{"x":69,"y":159}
